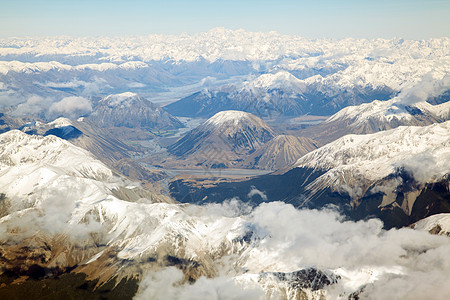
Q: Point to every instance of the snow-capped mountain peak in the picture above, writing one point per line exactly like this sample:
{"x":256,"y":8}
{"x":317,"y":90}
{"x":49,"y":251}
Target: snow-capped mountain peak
{"x":60,"y":122}
{"x":131,"y":110}
{"x":281,"y":80}
{"x":228,"y":133}
{"x":393,"y":112}
{"x":357,"y":161}
{"x":119,"y":99}
{"x":229,"y":117}
{"x":23,"y":154}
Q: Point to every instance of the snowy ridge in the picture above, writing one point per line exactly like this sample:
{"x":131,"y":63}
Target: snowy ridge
{"x":118,"y":99}
{"x":19,"y":150}
{"x":281,"y":80}
{"x":356,"y":161}
{"x":386,"y":111}
{"x":229,"y":118}
{"x":59,"y":122}
{"x":38,"y":67}
{"x":218,"y":43}
{"x":437,"y":224}
{"x":52,"y":175}
{"x":441,"y":110}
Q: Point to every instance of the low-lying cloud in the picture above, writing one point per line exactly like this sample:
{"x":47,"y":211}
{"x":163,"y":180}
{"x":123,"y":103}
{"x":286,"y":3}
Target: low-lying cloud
{"x":33,"y":106}
{"x":427,"y":87}
{"x":287,"y":239}
{"x":49,"y":108}
{"x":255,"y":192}
{"x":70,"y":107}
{"x":396,"y":264}
{"x":169,"y":284}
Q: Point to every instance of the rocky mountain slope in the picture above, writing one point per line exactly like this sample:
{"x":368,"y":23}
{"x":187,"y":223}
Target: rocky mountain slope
{"x":267,"y":95}
{"x":85,"y":134}
{"x":131,"y":111}
{"x":399,"y":175}
{"x":105,"y":146}
{"x":7,"y":122}
{"x":223,"y":139}
{"x":378,"y":116}
{"x":279,"y":153}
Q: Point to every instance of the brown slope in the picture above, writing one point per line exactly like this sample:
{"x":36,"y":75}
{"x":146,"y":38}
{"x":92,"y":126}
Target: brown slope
{"x":223,"y":140}
{"x":280,"y":152}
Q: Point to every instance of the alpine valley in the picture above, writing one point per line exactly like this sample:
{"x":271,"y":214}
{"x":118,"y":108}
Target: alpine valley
{"x":224,"y":165}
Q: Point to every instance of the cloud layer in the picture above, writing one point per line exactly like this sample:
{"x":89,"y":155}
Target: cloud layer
{"x":397,"y":264}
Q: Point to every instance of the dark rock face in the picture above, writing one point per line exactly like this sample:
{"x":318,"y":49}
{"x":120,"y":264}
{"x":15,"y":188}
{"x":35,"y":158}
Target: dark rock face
{"x":310,"y":278}
{"x":288,"y":187}
{"x":64,"y":286}
{"x":291,"y":187}
{"x":65,"y":132}
{"x":280,"y":152}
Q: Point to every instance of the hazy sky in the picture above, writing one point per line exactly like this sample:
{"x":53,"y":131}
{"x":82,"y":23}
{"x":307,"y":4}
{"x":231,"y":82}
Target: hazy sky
{"x":411,"y":19}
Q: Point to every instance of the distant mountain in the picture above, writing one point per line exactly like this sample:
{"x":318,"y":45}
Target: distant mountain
{"x":277,"y":94}
{"x":132,"y":111}
{"x":378,"y":116}
{"x":223,"y":139}
{"x":399,"y":175}
{"x":279,"y":153}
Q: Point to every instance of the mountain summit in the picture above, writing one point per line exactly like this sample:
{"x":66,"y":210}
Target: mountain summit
{"x":132,"y":111}
{"x":224,"y":137}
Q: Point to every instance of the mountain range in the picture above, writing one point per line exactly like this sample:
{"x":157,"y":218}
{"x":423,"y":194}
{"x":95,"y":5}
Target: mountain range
{"x":378,"y":116}
{"x":107,"y":234}
{"x":278,"y":94}
{"x":399,"y":175}
{"x":292,"y":76}
{"x":226,"y":164}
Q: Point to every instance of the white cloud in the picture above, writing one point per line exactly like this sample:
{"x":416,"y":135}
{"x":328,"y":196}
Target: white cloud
{"x":34,"y":105}
{"x":429,"y":86}
{"x":425,"y":166}
{"x":168,"y":284}
{"x":95,"y":87}
{"x":70,"y":107}
{"x":255,"y":192}
{"x":9,"y":98}
{"x":289,"y":239}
